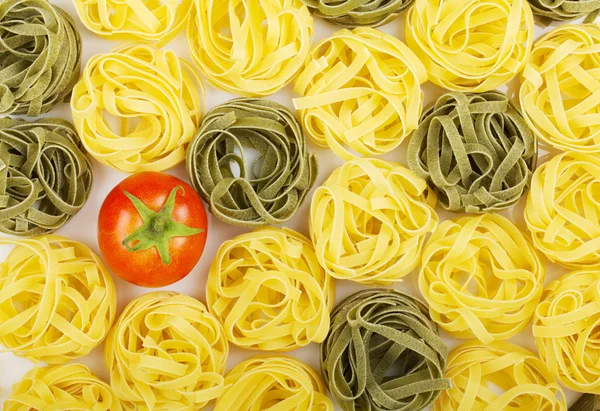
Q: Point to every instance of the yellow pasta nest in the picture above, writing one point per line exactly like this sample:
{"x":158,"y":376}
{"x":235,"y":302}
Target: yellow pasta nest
{"x":470,"y":45}
{"x":481,"y":277}
{"x":155,"y":21}
{"x":368,"y":221}
{"x":361,"y":91}
{"x":265,"y":383}
{"x":563,"y":212}
{"x":166,"y":352}
{"x":269,"y":291}
{"x":248,"y":47}
{"x":62,"y":387}
{"x":499,"y":376}
{"x":565,"y":328}
{"x":57,"y":299}
{"x":559,"y":87}
{"x":154,"y":98}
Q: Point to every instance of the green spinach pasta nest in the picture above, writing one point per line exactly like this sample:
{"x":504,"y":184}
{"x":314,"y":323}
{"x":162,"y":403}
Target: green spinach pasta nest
{"x":250,"y":163}
{"x":40,"y":56}
{"x":475,"y":150}
{"x":563,"y":10}
{"x":357,"y":13}
{"x":45,"y":177}
{"x":383,"y":353}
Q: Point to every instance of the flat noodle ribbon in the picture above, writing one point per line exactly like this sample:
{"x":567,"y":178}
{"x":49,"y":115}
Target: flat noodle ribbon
{"x":562,"y":210}
{"x":481,"y":278}
{"x":166,"y":352}
{"x":57,"y":299}
{"x":562,"y":10}
{"x":470,"y":45}
{"x":587,"y":402}
{"x":248,"y":47}
{"x":368,"y":221}
{"x":499,"y":376}
{"x":559,"y":88}
{"x":154,"y":96}
{"x":565,"y":329}
{"x":475,"y":150}
{"x":156,"y":21}
{"x":45,"y":177}
{"x":355,"y":13}
{"x":60,"y":388}
{"x":40,"y":56}
{"x":269,"y":291}
{"x":273,"y":383}
{"x":361,"y":91}
{"x":270,"y":191}
{"x":383,"y":353}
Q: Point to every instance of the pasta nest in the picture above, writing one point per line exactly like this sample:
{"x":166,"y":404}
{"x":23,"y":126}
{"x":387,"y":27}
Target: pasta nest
{"x":354,"y":13}
{"x":562,"y":10}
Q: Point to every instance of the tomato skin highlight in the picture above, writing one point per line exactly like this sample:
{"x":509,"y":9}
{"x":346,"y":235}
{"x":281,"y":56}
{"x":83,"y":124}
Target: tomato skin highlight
{"x":119,"y":218}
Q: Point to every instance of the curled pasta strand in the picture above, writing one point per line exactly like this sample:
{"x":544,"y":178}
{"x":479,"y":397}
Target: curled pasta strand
{"x":562,"y":10}
{"x":355,"y":13}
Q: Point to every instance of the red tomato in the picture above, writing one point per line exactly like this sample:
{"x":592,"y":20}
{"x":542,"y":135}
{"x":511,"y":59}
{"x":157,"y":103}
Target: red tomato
{"x":152,"y":229}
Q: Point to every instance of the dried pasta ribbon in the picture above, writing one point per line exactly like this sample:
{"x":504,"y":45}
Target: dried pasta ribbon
{"x":166,"y":352}
{"x":383,"y":353}
{"x":40,"y":56}
{"x":470,"y":45}
{"x":481,"y":278}
{"x":499,"y":376}
{"x":559,"y":90}
{"x":587,"y":402}
{"x":360,"y":93}
{"x":248,"y":47}
{"x":269,"y":291}
{"x":45,"y":177}
{"x":154,"y":96}
{"x":355,"y":13}
{"x":368,"y":221}
{"x":562,"y":211}
{"x":134,"y":20}
{"x":57,"y":299}
{"x":62,"y":387}
{"x":267,"y":191}
{"x":563,"y":10}
{"x":564,"y":327}
{"x":475,"y":150}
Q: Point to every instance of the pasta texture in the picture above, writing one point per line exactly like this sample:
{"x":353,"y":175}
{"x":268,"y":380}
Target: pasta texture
{"x":368,"y":221}
{"x":45,"y":177}
{"x":154,"y":96}
{"x":267,"y":191}
{"x":166,"y":352}
{"x":559,"y":86}
{"x":562,"y":212}
{"x":481,"y":278}
{"x":60,"y":388}
{"x":156,"y":21}
{"x":273,"y":383}
{"x":269,"y":291}
{"x":383,"y":353}
{"x":361,"y":93}
{"x":587,"y":402}
{"x":355,"y":13}
{"x":499,"y":376}
{"x":57,"y":299}
{"x":471,"y":45}
{"x":562,"y":10}
{"x":475,"y":150}
{"x":564,"y":327}
{"x":40,"y":56}
{"x":248,"y":47}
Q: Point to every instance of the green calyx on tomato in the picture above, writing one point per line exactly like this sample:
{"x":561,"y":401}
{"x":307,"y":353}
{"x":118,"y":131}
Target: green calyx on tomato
{"x":158,"y":227}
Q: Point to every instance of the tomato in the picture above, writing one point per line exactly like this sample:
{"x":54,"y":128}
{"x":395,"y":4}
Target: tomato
{"x":152,"y":229}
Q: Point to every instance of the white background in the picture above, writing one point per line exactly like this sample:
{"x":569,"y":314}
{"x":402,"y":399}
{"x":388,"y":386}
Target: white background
{"x":83,"y":226}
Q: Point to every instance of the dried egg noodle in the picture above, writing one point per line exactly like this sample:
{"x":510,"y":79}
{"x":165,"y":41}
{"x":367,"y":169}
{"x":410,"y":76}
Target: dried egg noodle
{"x":566,"y":9}
{"x":361,"y":93}
{"x":268,"y":290}
{"x":355,"y":13}
{"x":368,"y":221}
{"x":154,"y":96}
{"x":470,"y":45}
{"x":481,"y":277}
{"x":250,"y":48}
{"x":166,"y":352}
{"x":57,"y":299}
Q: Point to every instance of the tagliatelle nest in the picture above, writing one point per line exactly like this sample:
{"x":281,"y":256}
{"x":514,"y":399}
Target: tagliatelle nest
{"x":355,"y":13}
